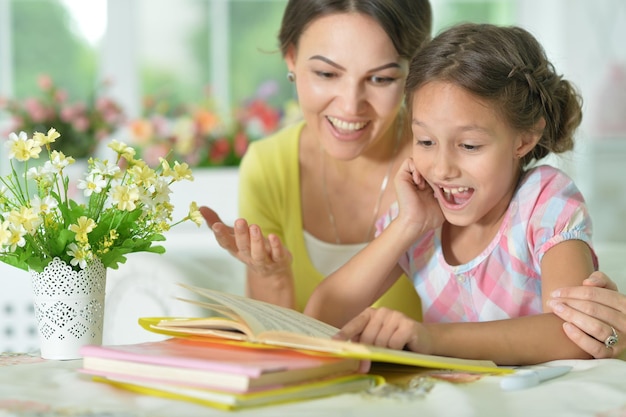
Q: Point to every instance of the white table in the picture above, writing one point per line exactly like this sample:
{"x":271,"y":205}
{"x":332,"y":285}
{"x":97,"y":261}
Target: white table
{"x":593,"y":388}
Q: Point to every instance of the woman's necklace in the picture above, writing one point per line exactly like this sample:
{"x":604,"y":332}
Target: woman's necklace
{"x":383,"y":188}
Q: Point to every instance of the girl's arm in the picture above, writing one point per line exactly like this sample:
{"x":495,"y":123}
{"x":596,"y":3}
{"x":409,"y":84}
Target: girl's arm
{"x":519,"y":341}
{"x":362,"y":280}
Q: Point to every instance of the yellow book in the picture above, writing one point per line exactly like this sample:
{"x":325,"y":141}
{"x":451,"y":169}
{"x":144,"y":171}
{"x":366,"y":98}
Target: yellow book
{"x":233,"y":401}
{"x":257,"y":323}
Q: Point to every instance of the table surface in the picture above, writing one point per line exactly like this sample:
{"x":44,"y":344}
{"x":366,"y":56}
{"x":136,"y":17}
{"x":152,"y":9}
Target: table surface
{"x":30,"y":386}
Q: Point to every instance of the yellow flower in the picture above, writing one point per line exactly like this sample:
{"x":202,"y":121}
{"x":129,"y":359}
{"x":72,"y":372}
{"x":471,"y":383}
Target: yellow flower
{"x":22,"y":148}
{"x":125,"y":197}
{"x":123,"y":150}
{"x":5,"y":234}
{"x":46,"y":139}
{"x":26,"y":218}
{"x":194,"y":214}
{"x":181,"y":172}
{"x":82,"y":228}
{"x":143,"y":175}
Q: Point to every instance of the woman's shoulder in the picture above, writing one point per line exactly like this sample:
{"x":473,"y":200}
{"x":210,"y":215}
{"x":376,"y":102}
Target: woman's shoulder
{"x":283,"y":140}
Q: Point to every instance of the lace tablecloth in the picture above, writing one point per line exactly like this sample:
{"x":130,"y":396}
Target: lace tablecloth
{"x":31,"y":387}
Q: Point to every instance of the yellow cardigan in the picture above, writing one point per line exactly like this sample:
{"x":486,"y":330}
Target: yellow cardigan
{"x":269,"y":195}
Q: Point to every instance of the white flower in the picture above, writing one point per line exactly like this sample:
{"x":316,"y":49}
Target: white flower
{"x":16,"y":238}
{"x":43,"y":206}
{"x":80,"y":255}
{"x":161,"y":190}
{"x":106,"y":168}
{"x":94,"y":183}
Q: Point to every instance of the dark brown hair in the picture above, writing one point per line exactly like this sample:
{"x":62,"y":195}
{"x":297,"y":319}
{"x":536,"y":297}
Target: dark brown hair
{"x":408,"y":23}
{"x":508,"y":67}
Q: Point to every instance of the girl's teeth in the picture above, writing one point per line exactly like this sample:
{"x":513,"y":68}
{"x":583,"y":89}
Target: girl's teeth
{"x":455,"y":190}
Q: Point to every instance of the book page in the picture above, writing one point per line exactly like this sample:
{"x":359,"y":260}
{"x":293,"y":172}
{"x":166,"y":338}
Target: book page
{"x":261,"y":316}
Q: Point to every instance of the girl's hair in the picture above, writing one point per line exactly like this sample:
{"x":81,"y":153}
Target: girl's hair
{"x":508,"y":67}
{"x":408,"y":23}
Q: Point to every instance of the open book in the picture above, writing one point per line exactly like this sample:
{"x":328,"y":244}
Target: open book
{"x":258,"y":323}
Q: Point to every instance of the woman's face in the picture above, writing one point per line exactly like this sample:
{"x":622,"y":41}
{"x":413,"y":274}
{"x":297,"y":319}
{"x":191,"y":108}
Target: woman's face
{"x":350,"y":82}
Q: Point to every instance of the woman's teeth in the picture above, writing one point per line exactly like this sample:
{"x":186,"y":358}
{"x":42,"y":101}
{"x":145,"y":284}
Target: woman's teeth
{"x":340,"y":124}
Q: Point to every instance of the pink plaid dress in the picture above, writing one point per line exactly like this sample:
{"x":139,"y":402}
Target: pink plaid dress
{"x":504,"y":281}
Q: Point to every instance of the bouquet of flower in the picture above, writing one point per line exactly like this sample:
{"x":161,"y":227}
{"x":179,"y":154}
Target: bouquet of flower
{"x":126,"y":206}
{"x":84,"y":124}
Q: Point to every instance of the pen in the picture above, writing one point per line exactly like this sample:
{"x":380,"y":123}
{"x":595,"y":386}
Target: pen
{"x":527,"y":378}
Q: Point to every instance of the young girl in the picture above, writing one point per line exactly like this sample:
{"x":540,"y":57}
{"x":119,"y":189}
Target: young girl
{"x":484,"y":237}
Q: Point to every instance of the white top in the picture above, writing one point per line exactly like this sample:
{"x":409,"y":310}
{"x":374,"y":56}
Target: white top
{"x":328,"y":257}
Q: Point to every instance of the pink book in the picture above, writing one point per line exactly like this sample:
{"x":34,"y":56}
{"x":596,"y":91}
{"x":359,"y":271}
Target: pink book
{"x":214,"y":365}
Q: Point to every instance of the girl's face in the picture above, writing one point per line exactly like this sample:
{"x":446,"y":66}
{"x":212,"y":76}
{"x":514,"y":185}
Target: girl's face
{"x":350,"y":82}
{"x":466,"y":152}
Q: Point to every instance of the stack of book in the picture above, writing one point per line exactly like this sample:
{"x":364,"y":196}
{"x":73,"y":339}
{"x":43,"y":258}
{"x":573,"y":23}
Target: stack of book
{"x":224,"y":376}
{"x":251,"y":354}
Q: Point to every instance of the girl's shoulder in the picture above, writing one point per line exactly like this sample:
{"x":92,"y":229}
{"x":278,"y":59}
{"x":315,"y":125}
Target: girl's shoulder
{"x":546,"y":182}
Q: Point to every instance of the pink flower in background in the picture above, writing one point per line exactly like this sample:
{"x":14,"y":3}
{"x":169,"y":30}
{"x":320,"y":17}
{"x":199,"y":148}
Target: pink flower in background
{"x":82,"y":124}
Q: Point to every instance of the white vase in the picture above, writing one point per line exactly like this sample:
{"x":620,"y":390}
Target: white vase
{"x":69,"y":308}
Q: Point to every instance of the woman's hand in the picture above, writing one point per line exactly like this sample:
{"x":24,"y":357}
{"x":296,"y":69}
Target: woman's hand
{"x":589,"y":311}
{"x":387,"y":328}
{"x":264,"y":256}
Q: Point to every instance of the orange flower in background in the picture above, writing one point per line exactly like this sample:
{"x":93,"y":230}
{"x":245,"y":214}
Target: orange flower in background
{"x":207,"y":121}
{"x":141,"y":131}
{"x":196,"y":133}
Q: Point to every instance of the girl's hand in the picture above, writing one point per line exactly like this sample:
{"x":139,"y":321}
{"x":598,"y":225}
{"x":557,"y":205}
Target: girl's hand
{"x":589,"y":312}
{"x":386,"y":328}
{"x":417,"y":204}
{"x":265,"y":256}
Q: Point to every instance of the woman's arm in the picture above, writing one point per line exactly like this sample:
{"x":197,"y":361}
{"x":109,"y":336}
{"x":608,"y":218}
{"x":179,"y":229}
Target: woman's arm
{"x":589,"y":311}
{"x":268,"y":262}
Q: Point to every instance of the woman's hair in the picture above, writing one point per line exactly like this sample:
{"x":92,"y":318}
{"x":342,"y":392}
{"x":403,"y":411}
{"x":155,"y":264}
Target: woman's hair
{"x":508,"y":67}
{"x":408,"y":23}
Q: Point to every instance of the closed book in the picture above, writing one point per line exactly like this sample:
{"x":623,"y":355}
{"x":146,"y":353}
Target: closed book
{"x":234,"y":401}
{"x":213,"y":365}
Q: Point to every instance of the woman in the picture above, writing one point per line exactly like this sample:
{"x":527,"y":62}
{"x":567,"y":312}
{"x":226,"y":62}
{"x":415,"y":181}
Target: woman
{"x":305,"y":185}
{"x":310,"y":191}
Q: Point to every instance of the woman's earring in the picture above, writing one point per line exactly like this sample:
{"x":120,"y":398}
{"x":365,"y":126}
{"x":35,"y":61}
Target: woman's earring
{"x":291,"y":77}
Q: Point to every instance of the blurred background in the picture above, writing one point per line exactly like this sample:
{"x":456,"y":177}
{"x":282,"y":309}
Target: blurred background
{"x":202,"y":78}
{"x":217,"y":61}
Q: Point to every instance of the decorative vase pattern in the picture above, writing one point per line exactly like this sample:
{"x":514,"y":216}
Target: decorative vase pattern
{"x":69,"y":307}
